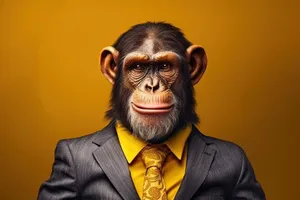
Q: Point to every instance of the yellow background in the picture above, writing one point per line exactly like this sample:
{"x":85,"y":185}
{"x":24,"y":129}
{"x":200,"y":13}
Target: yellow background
{"x":51,"y":86}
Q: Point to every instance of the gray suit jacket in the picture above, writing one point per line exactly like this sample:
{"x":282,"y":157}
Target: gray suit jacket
{"x":93,"y":167}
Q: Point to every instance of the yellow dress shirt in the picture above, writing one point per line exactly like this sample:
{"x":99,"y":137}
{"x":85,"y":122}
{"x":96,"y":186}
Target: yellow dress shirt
{"x":174,"y":166}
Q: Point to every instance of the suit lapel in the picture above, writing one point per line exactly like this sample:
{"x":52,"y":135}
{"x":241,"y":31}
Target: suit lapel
{"x":199,"y":159}
{"x":111,"y":159}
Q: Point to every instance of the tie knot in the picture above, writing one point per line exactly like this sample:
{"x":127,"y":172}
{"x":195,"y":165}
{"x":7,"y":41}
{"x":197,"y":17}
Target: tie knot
{"x":154,"y":155}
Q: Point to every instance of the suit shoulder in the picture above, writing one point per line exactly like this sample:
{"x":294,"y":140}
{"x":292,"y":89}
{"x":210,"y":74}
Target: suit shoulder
{"x":81,"y":139}
{"x":88,"y":139}
{"x":224,"y":147}
{"x":84,"y":139}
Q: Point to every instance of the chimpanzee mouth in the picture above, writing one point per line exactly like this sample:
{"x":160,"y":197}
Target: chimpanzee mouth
{"x":152,"y":108}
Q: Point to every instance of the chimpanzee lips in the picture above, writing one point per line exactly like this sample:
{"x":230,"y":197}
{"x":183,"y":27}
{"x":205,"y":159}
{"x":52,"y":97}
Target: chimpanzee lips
{"x":152,"y":108}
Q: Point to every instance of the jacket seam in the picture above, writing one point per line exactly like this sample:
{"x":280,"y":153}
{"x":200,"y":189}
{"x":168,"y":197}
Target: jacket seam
{"x":241,"y":165}
{"x":74,"y":168}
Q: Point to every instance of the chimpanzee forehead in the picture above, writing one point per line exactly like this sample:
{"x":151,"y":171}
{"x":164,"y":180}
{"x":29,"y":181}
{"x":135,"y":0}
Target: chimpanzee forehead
{"x":148,"y":47}
{"x":151,"y":46}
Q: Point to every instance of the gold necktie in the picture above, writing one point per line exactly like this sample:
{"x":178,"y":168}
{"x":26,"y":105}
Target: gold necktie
{"x":154,"y":186}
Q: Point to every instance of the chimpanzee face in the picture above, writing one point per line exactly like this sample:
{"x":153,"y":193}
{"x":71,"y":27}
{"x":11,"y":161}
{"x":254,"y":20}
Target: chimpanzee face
{"x":153,"y":107}
{"x":153,"y":78}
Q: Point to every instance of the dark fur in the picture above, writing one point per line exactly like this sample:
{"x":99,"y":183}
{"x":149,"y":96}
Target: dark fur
{"x":166,"y":37}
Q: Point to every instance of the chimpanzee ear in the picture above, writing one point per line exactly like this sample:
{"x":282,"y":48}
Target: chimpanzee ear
{"x":197,"y":60}
{"x":108,"y":63}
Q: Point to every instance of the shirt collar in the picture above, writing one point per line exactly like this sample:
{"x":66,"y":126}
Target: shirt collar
{"x":177,"y":141}
{"x":132,"y":145}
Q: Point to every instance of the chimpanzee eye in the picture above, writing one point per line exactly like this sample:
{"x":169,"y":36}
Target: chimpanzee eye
{"x":138,"y":66}
{"x":164,"y":66}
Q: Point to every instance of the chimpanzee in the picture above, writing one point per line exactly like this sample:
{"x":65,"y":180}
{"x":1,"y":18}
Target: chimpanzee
{"x":153,"y":68}
{"x":151,"y":149}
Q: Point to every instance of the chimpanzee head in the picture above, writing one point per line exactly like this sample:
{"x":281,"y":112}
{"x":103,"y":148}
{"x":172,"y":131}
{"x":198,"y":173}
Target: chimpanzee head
{"x":153,"y":68}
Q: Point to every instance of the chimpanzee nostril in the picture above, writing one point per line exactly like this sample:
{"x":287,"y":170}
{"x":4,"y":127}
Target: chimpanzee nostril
{"x":152,"y":84}
{"x":152,"y":87}
{"x":155,"y":87}
{"x":148,"y":87}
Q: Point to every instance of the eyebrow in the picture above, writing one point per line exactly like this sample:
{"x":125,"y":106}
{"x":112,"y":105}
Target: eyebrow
{"x":165,"y":56}
{"x":135,"y":57}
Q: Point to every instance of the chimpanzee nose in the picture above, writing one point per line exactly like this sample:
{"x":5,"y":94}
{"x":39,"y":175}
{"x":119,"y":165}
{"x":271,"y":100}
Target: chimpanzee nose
{"x":152,"y":85}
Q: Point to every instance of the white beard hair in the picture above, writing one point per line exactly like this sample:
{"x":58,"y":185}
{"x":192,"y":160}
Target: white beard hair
{"x":163,"y":127}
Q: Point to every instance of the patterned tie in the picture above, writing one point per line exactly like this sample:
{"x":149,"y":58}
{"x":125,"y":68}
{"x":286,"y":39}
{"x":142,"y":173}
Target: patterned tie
{"x":154,"y":186}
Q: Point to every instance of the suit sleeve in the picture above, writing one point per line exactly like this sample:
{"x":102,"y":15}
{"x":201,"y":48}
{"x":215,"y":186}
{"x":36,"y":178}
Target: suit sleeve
{"x":62,"y":183}
{"x":247,"y":187}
